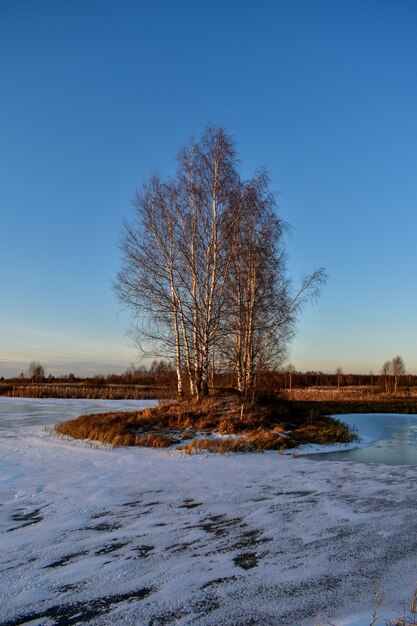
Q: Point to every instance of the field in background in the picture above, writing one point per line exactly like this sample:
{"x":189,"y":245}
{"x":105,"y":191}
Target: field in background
{"x":360,"y":399}
{"x":363,"y":392}
{"x":84,"y":391}
{"x":101,"y":390}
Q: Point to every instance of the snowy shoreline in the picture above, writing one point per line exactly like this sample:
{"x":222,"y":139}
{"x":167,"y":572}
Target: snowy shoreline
{"x":139,"y":536}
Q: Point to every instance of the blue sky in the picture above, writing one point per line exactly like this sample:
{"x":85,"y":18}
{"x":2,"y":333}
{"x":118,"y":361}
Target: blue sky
{"x":97,"y":95}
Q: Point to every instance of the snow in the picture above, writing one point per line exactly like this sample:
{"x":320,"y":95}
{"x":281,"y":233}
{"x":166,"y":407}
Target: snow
{"x":92,"y":535}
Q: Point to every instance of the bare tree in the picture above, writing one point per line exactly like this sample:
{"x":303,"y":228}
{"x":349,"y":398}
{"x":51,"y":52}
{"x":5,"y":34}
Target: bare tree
{"x":207,"y":178}
{"x":175,"y":260}
{"x":147,"y":281}
{"x":391,"y":373}
{"x":289,"y":371}
{"x":204,"y":269}
{"x":339,"y":373}
{"x":398,"y":370}
{"x":36,"y":372}
{"x":386,"y":373}
{"x":262,"y":306}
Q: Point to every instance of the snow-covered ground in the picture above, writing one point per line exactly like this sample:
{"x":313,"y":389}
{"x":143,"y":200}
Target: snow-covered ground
{"x":91,"y":535}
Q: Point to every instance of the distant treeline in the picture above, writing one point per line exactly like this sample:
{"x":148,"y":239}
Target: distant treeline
{"x":289,"y":379}
{"x":136,"y":383}
{"x":158,"y":373}
{"x":159,"y":381}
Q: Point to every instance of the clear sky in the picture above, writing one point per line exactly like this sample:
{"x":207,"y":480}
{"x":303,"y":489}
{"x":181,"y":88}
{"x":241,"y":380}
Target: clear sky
{"x":95,"y":95}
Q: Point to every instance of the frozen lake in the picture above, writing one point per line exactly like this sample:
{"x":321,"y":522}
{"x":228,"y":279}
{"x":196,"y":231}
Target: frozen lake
{"x":17,"y":413}
{"x":98,"y":536}
{"x":386,"y":438}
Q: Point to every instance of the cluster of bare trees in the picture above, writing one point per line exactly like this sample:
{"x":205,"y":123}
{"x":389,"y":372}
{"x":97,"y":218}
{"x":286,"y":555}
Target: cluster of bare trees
{"x":204,"y":269}
{"x":391,"y":373}
{"x":35,"y":372}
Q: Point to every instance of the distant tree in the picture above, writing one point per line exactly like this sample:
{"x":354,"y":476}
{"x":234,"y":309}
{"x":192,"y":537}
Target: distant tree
{"x":386,"y":372}
{"x":398,"y":370}
{"x":339,"y":373}
{"x":36,"y":372}
{"x":289,"y":371}
{"x":99,"y":380}
{"x":391,"y":372}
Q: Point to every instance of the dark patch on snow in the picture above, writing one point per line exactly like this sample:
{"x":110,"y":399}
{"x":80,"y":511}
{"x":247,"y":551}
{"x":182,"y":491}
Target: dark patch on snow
{"x":250,"y":538}
{"x":221,"y":525}
{"x":344,"y":532}
{"x":132,"y":504}
{"x":246,"y":560}
{"x":104,"y":526}
{"x":139,"y":507}
{"x":104,"y":513}
{"x":181,"y":547}
{"x":80,"y":612}
{"x":295,"y":494}
{"x":66,"y":559}
{"x":220,"y":581}
{"x":111,"y":547}
{"x":189,"y":504}
{"x":143,"y":551}
{"x":28,"y":518}
{"x":207,"y":604}
{"x":67,"y":588}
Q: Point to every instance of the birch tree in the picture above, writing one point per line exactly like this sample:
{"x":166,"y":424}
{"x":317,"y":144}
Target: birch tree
{"x":391,"y":373}
{"x":398,"y":370}
{"x":386,"y":372}
{"x":175,"y":259}
{"x":207,"y":178}
{"x":262,"y":304}
{"x":203,"y":268}
{"x":147,"y":281}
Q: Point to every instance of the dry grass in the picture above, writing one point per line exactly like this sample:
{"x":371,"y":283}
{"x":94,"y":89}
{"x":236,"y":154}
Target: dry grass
{"x":363,"y":394}
{"x":216,"y":445}
{"x":116,"y":429}
{"x":148,"y":426}
{"x":261,"y":439}
{"x":403,"y":618}
{"x":214,"y":424}
{"x":82,"y":391}
{"x":325,"y":430}
{"x":324,"y":394}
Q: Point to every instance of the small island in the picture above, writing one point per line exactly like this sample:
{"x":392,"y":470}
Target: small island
{"x":219,"y":422}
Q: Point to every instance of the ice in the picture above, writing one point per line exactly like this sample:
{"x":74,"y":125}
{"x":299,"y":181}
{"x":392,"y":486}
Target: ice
{"x":93,"y":535}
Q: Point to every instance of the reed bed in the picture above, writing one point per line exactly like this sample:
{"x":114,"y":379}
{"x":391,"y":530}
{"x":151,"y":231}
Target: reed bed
{"x":80,"y":391}
{"x":345,"y":394}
